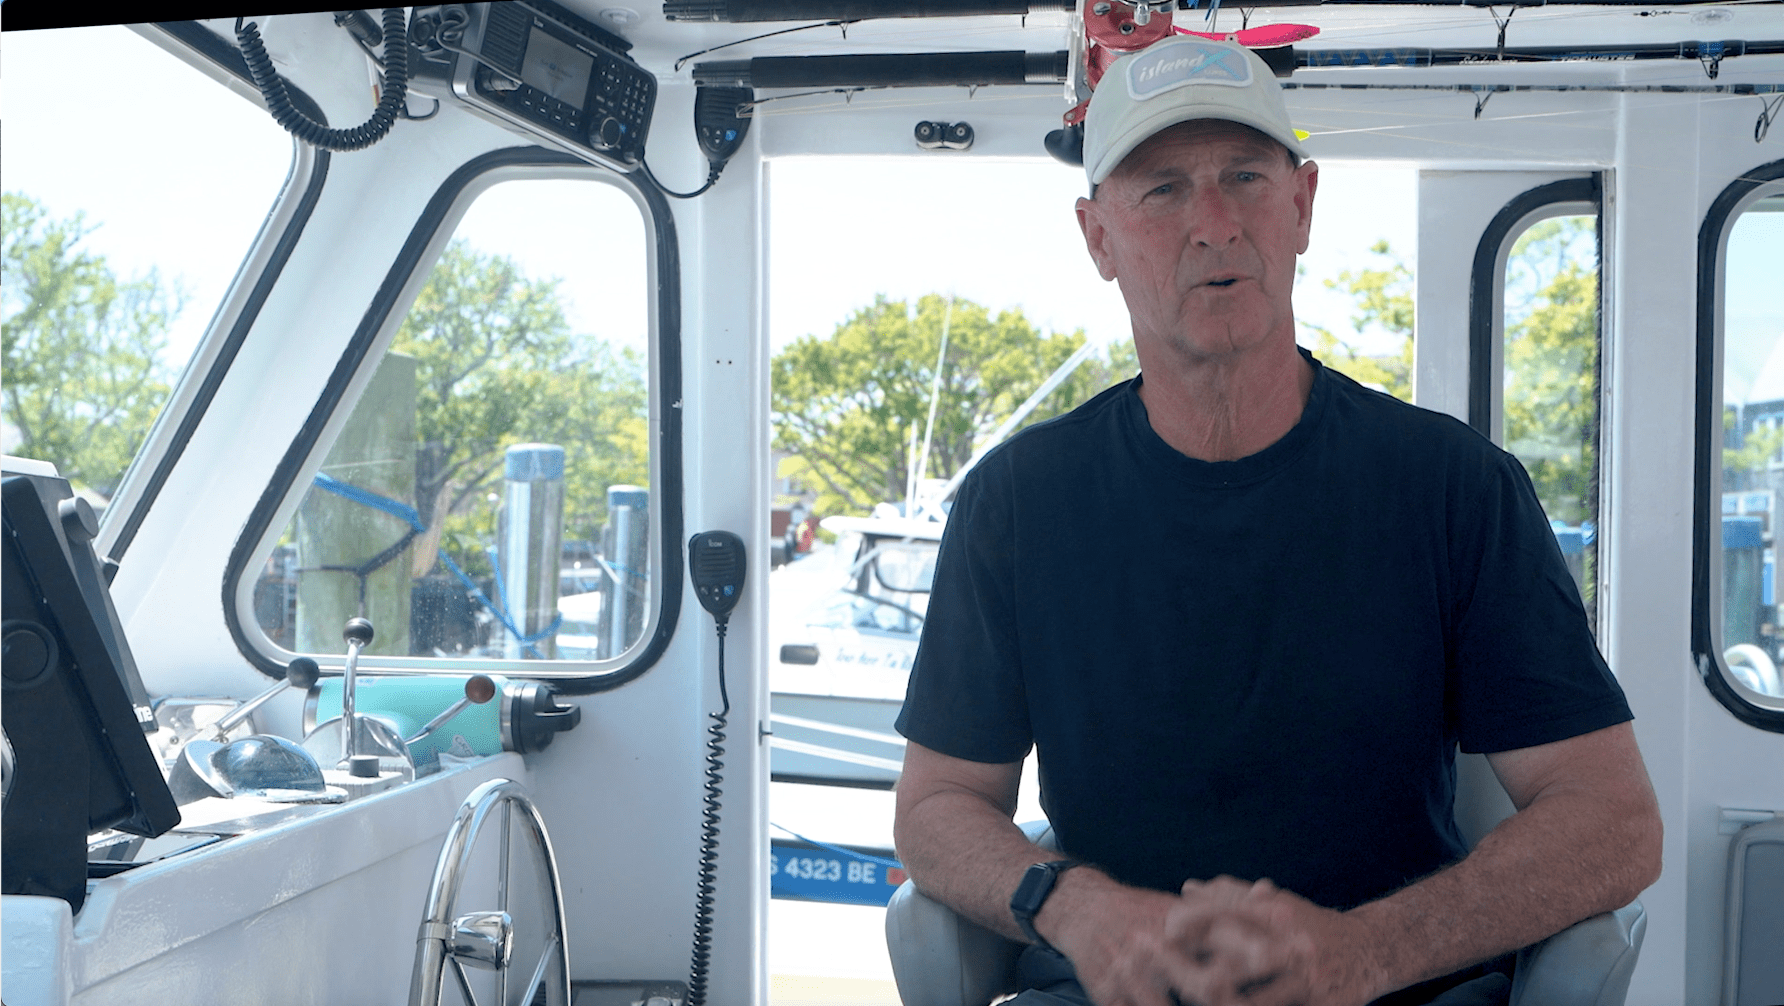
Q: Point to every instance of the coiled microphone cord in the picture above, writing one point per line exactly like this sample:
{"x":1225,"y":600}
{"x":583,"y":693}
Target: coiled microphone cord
{"x":709,"y":836}
{"x":391,"y":102}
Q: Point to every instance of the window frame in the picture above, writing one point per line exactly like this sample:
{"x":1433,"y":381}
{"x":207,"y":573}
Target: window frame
{"x":196,"y":388}
{"x":1580,"y":196}
{"x":1486,"y":290}
{"x":198,"y":384}
{"x":1764,"y":712}
{"x":427,"y":240}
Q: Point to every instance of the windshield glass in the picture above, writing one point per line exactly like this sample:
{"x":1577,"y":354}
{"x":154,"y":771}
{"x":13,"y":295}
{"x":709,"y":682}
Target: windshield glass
{"x":122,"y":235}
{"x":489,"y":495}
{"x":1753,"y":447}
{"x":905,"y":566}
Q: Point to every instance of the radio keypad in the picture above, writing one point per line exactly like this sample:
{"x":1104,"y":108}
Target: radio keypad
{"x":617,"y":117}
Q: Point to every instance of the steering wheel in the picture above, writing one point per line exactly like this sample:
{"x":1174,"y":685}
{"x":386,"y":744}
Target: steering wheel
{"x":485,"y":940}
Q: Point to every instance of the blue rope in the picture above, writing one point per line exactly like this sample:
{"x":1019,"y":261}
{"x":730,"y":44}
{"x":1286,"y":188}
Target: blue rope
{"x":839,"y":850}
{"x":495,"y":565}
{"x":629,"y":571}
{"x":408,"y":515}
{"x":365,"y":497}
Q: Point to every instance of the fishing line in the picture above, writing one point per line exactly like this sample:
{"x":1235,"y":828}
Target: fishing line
{"x":757,"y":38}
{"x":1766,"y":115}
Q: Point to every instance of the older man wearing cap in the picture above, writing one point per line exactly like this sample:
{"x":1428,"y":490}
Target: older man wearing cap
{"x":1246,"y":610}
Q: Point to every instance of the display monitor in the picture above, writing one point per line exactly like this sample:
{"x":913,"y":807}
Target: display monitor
{"x":72,"y":703}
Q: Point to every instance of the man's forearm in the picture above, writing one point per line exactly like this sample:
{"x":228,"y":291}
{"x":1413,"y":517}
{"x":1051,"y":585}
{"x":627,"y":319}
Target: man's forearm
{"x":961,"y":850}
{"x":1563,"y":858}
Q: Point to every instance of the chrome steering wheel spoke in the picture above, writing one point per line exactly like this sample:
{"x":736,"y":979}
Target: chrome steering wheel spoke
{"x":486,"y":939}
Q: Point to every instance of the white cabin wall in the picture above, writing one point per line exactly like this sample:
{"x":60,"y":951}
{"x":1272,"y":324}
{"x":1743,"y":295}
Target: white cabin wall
{"x":1730,"y":764}
{"x":1648,"y":462}
{"x":1007,"y":122}
{"x":1675,"y":158}
{"x":725,"y":447}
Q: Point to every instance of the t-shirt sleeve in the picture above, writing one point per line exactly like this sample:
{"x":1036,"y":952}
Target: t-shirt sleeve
{"x":966,"y":697}
{"x":1524,"y":667}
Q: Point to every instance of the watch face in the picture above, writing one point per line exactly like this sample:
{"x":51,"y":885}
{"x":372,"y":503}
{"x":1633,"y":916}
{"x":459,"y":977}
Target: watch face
{"x":1032,"y":893}
{"x":1036,"y":884}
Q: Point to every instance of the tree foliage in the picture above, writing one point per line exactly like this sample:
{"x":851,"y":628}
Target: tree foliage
{"x":1383,"y":299}
{"x":84,"y":374}
{"x":1551,"y":363}
{"x":1551,"y":352}
{"x":497,"y":365}
{"x":1744,"y":467}
{"x":847,"y":405}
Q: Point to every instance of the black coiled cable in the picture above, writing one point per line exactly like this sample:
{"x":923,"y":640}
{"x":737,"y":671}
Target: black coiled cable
{"x":709,"y":837}
{"x":390,"y":104}
{"x":714,"y":169}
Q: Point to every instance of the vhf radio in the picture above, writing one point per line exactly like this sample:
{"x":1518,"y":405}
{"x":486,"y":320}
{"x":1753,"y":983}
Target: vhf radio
{"x":533,"y":64}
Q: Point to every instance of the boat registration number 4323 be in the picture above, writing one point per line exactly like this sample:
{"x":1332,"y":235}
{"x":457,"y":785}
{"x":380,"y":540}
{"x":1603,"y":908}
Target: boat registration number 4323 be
{"x":806,"y":871}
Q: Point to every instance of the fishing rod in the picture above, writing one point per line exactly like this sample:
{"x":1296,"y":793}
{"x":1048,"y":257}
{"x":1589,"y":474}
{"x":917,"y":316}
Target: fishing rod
{"x":982,"y":69}
{"x":747,"y":11}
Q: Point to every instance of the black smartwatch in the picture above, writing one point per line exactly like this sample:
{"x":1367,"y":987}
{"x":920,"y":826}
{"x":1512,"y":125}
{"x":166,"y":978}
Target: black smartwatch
{"x":1032,"y":893}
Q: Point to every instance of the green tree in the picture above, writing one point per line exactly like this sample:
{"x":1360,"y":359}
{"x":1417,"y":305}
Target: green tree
{"x":84,"y":374}
{"x":1744,"y":467}
{"x":846,"y":406}
{"x":484,"y":360}
{"x":1551,"y":363}
{"x":1383,"y":299}
{"x":497,"y":365}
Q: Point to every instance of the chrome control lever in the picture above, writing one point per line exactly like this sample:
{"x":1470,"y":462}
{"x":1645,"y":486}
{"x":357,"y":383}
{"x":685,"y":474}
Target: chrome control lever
{"x":479,"y":688}
{"x":301,"y":675}
{"x":358,"y":633}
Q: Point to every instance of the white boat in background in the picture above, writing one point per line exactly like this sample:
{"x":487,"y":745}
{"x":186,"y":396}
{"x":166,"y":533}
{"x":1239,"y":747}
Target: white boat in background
{"x":841,"y":658}
{"x":840,"y":664}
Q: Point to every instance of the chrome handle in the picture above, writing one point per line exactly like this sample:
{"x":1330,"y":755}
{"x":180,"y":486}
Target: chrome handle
{"x":479,"y":688}
{"x":301,"y":675}
{"x":358,"y":634}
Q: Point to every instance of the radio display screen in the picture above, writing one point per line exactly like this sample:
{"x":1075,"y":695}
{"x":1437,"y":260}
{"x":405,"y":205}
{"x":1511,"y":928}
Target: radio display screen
{"x":557,"y":68}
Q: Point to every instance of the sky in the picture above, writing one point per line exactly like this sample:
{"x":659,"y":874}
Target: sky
{"x":1003,"y":233}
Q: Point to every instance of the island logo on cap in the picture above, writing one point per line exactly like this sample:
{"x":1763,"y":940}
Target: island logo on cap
{"x":1183,"y":62}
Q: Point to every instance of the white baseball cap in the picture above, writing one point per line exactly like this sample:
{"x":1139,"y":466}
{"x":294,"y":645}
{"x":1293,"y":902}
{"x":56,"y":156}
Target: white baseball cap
{"x":1179,"y":80}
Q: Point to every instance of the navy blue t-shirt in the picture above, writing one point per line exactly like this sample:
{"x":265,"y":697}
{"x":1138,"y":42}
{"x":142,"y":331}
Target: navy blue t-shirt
{"x":1261,"y":667}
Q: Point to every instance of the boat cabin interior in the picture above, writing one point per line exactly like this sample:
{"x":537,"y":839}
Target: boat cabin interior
{"x":420,"y":646}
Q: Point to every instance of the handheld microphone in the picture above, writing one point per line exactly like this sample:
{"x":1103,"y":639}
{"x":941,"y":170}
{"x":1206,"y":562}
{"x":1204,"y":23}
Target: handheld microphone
{"x":716,"y":565}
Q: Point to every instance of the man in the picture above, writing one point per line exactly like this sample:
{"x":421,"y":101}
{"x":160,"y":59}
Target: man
{"x":1245,"y":610}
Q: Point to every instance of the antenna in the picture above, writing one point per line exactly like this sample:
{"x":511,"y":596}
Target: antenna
{"x":935,"y":396}
{"x":1021,"y":413}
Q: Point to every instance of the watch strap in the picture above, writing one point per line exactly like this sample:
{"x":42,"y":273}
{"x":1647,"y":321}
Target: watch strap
{"x":1036,"y":886}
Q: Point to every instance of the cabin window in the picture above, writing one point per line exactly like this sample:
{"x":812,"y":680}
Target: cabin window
{"x":1752,"y":450}
{"x":490,"y":494}
{"x":1354,"y":284}
{"x":133,"y":186}
{"x":1548,"y":405}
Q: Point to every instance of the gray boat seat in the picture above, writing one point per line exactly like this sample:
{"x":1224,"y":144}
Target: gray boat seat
{"x":940,"y":958}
